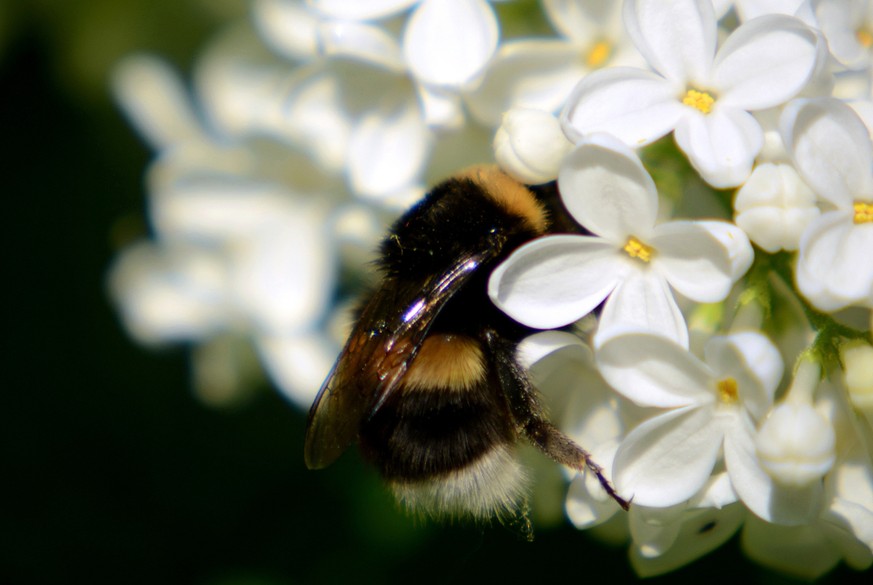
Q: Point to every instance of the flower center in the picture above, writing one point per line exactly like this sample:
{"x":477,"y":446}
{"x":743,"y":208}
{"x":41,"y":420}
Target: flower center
{"x":863,"y":212}
{"x":637,"y":249}
{"x":699,"y":100}
{"x":865,"y":37}
{"x":598,"y":54}
{"x":727,"y":391}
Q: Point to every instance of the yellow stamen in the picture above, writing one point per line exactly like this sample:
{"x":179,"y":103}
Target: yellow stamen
{"x":699,"y":100}
{"x":863,"y":212}
{"x":865,"y":37}
{"x":637,"y":249}
{"x":598,"y":54}
{"x":727,"y":390}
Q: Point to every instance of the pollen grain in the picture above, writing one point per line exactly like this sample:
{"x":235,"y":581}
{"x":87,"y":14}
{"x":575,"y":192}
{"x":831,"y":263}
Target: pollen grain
{"x":863,"y":212}
{"x":699,"y":100}
{"x":637,"y":249}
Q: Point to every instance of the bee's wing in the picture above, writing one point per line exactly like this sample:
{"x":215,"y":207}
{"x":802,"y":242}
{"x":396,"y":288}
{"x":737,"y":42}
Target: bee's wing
{"x":381,"y":346}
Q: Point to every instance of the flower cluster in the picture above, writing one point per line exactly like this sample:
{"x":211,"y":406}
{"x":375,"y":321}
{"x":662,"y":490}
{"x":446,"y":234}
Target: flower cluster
{"x":726,"y":383}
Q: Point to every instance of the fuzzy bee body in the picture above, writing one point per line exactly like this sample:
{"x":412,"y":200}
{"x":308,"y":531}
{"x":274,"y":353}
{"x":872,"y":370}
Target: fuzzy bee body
{"x":428,"y":384}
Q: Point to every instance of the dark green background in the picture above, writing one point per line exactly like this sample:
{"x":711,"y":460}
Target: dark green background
{"x":115,"y":473}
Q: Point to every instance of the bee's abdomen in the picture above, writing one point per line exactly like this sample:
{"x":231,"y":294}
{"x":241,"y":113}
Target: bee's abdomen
{"x":445,"y":440}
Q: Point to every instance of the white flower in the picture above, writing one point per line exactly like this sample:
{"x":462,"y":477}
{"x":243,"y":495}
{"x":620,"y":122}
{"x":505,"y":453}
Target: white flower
{"x":774,"y":207}
{"x":529,"y":145}
{"x":239,"y":248}
{"x":709,"y":407}
{"x":539,"y":73}
{"x":831,"y":149}
{"x":446,"y":44}
{"x":630,"y":261}
{"x":848,"y":27}
{"x":704,"y":96}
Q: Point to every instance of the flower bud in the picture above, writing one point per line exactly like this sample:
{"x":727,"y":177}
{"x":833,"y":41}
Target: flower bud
{"x":796,"y":445}
{"x":774,"y":207}
{"x":529,"y":145}
{"x":858,"y":376}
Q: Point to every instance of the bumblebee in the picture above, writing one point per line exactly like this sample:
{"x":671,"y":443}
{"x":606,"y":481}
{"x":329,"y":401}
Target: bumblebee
{"x":428,"y":384}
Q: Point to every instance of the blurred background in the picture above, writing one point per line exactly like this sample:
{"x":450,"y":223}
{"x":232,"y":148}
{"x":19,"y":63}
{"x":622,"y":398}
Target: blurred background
{"x":116,"y":472}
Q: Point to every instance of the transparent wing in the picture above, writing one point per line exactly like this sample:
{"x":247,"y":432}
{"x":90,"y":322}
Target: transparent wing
{"x":382,"y":344}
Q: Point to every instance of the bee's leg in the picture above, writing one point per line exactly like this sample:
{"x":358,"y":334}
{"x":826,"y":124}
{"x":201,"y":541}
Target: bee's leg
{"x":529,"y":414}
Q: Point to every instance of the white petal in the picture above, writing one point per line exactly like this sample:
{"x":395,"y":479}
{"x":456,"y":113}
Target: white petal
{"x":297,"y":364}
{"x":288,"y":27}
{"x":283,"y":276}
{"x":834,"y":268}
{"x":801,"y":551}
{"x":153,"y":98}
{"x":701,"y":531}
{"x":537,"y":74}
{"x":587,"y":503}
{"x":721,"y":145}
{"x":839,"y":21}
{"x":830,"y":147}
{"x":764,"y":63}
{"x":643,"y":300}
{"x":757,"y":489}
{"x":170,"y":294}
{"x":449,"y":42}
{"x":388,"y":149}
{"x":693,"y":261}
{"x":538,"y":346}
{"x":667,"y":459}
{"x":314,"y":113}
{"x":357,"y":10}
{"x":361,"y":41}
{"x":752,"y":360}
{"x":677,"y":38}
{"x":635,"y":105}
{"x":735,"y":242}
{"x":850,"y":528}
{"x":555,"y":280}
{"x":652,"y":370}
{"x":607,"y":190}
{"x":584,"y":21}
{"x":211,"y":207}
{"x":443,"y":109}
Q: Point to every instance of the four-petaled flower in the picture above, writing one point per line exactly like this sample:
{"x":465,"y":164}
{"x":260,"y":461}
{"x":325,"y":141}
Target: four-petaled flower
{"x":631,"y":260}
{"x":703,"y":96}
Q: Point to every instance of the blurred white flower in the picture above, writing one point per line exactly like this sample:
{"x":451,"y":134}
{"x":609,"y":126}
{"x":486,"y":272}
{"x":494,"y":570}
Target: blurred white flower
{"x":239,"y":245}
{"x":831,"y":149}
{"x":539,"y":73}
{"x":703,"y":96}
{"x":848,"y":27}
{"x":446,"y":44}
{"x":630,"y":262}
